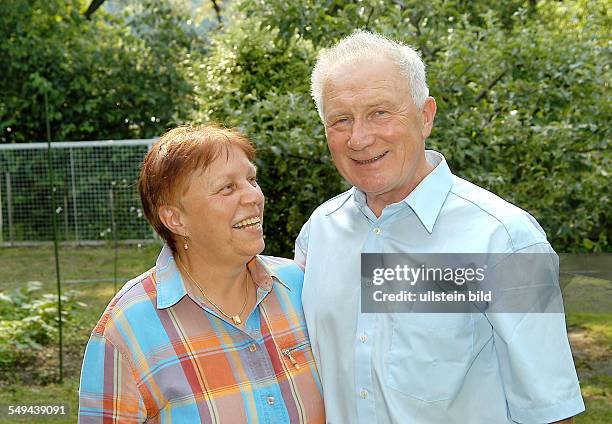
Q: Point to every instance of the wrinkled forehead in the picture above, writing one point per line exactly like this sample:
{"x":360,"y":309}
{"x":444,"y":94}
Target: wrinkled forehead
{"x":227,"y":160}
{"x":356,"y":62}
{"x":205,"y":164}
{"x":360,"y":78}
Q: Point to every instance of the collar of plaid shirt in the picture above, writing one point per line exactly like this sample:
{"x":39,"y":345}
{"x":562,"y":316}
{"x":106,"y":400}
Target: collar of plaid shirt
{"x":171,"y":287}
{"x":160,"y":354}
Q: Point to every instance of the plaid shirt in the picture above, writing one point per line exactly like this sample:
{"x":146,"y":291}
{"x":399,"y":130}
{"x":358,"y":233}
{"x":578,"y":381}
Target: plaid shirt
{"x":160,"y":354}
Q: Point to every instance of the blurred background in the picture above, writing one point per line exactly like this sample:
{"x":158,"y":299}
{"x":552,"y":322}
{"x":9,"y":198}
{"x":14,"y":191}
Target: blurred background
{"x":523,"y":93}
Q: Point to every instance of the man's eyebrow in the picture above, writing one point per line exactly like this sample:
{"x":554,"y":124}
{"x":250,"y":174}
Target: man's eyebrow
{"x":378,"y":101}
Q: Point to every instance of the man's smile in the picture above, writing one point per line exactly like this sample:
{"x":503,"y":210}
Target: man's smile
{"x":371,"y":160}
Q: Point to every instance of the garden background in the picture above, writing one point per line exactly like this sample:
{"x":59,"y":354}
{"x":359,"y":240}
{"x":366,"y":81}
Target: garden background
{"x":523,"y":93}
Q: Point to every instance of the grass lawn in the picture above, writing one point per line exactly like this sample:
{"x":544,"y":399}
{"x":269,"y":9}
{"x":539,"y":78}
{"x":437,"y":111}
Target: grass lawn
{"x":89,"y":272}
{"x":83,"y":268}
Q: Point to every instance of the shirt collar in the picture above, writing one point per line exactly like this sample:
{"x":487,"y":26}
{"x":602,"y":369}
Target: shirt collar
{"x":171,"y":287}
{"x":427,"y":198}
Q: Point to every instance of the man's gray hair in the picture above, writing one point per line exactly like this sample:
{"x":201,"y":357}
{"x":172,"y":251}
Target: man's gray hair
{"x":366,"y":45}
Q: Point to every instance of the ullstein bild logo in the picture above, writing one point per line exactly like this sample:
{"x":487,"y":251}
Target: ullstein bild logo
{"x":444,"y":282}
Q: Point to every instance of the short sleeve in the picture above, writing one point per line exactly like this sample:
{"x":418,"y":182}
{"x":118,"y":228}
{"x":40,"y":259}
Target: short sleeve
{"x":108,"y":391}
{"x":536,"y":363}
{"x":301,"y":245}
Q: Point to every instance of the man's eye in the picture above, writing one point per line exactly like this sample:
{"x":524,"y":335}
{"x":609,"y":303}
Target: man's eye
{"x":341,"y":121}
{"x":381,"y":113}
{"x":253,"y":181}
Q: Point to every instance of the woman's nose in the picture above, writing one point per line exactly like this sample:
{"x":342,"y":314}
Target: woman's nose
{"x":253,"y":194}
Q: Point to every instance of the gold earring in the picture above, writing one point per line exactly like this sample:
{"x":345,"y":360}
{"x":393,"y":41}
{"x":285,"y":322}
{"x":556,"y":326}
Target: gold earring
{"x":185,"y":245}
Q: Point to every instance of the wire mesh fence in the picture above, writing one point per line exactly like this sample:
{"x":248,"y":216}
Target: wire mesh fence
{"x":95,"y":192}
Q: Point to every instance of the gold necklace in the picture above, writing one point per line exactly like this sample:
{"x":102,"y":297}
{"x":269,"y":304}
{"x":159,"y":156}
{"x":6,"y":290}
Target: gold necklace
{"x":235,"y":318}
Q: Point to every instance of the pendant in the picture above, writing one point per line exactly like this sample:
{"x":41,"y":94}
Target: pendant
{"x":236,"y":320}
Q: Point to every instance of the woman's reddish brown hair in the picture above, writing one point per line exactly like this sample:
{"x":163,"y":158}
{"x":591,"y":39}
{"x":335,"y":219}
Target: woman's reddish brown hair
{"x":167,"y":168}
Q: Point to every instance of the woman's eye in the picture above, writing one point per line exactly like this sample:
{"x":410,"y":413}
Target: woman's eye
{"x":253,"y":181}
{"x":228,"y":188}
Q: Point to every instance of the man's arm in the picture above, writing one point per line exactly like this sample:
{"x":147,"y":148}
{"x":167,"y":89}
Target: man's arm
{"x":301,"y":245}
{"x":534,"y":356}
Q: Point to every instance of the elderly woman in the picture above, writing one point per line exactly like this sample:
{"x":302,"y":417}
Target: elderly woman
{"x":213,"y":333}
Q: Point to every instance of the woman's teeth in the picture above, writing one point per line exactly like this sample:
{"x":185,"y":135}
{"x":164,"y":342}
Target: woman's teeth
{"x":249,"y":222}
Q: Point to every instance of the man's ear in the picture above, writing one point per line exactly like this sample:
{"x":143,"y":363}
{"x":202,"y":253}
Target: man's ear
{"x":428,"y":113}
{"x":173,"y":218}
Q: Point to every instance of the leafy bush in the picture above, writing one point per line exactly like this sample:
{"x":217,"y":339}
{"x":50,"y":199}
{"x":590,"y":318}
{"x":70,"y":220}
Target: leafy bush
{"x":256,"y":81}
{"x":522,"y":88}
{"x":519,"y":85}
{"x":28,"y":323}
{"x":112,"y":77}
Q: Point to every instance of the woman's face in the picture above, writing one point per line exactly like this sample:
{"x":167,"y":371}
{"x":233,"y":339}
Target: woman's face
{"x":223,"y":209}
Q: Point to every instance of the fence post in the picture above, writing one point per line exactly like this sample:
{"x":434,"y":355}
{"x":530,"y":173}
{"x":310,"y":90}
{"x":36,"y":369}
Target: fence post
{"x":9,"y":208}
{"x":114,"y":229}
{"x":74,"y":197}
{"x":1,"y":216}
{"x":60,"y":324}
{"x":65,"y":210}
{"x":155,"y":235}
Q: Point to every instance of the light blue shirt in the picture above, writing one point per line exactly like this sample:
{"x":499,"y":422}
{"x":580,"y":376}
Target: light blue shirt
{"x":430,"y":368}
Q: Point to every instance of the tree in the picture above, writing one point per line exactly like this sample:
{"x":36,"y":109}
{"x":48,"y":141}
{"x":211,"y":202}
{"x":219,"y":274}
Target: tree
{"x":518,"y":83}
{"x":111,"y":77}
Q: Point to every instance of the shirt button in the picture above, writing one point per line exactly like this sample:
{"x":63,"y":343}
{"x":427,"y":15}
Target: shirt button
{"x":270,"y":400}
{"x":363,"y":338}
{"x":363,"y":393}
{"x":253,"y":347}
{"x":377,"y":230}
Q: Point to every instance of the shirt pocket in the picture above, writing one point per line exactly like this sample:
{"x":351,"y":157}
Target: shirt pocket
{"x":430,"y":354}
{"x":297,"y":355}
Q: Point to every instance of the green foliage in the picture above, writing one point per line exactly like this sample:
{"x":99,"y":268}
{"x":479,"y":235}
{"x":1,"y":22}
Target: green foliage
{"x":114,"y":77}
{"x":256,"y":81}
{"x":105,"y":78}
{"x":521,"y":109}
{"x":28,"y":322}
{"x":526,"y":119}
{"x":521,"y":85}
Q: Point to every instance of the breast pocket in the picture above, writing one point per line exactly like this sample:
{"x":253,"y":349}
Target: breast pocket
{"x":297,"y":355}
{"x":430,"y":354}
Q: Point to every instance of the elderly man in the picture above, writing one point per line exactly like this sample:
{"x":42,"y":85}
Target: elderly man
{"x":467,"y":368}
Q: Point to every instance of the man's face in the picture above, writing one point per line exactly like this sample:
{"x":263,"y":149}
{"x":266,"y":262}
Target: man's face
{"x":374,"y":131}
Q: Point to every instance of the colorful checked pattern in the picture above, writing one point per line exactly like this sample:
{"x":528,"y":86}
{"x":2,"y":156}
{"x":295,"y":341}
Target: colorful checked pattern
{"x":160,"y":354}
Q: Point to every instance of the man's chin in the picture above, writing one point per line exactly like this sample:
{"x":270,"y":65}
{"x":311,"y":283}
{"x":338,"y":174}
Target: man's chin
{"x":373,"y":190}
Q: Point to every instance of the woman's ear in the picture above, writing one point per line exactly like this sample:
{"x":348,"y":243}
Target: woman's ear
{"x":172,"y":217}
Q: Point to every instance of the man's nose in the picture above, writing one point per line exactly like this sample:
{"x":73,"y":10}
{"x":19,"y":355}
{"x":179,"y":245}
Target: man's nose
{"x":361,"y":136}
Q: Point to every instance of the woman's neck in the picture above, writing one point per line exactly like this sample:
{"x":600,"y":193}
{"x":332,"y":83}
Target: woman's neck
{"x":220,"y":281}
